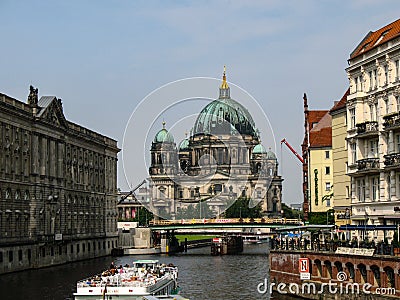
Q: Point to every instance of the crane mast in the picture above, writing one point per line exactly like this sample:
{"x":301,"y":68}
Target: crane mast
{"x":293,"y":151}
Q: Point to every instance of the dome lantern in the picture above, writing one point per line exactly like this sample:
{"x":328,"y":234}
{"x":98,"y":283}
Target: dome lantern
{"x":224,"y":91}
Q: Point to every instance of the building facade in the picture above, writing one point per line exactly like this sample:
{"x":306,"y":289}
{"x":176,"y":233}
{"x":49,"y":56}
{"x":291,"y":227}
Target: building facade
{"x":58,"y":186}
{"x":222,"y":159}
{"x":373,"y":132}
{"x":341,"y":181}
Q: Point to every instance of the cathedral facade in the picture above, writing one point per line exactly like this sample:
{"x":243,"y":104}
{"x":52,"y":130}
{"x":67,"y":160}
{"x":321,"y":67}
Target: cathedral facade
{"x":222,"y":160}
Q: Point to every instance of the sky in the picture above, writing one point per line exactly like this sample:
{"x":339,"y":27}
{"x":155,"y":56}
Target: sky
{"x":102,"y":58}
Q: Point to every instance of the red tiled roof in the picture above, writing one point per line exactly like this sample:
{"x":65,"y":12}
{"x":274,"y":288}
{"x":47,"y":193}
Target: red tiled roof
{"x":342,"y":102}
{"x":372,"y":39}
{"x":321,"y":138}
{"x":314,"y":116}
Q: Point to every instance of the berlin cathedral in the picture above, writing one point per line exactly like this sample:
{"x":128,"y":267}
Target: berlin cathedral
{"x":222,"y":160}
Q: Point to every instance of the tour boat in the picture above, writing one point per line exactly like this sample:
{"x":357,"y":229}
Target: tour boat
{"x":254,"y":239}
{"x":143,"y":278}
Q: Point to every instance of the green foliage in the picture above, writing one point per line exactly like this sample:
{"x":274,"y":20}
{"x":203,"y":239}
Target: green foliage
{"x":290,"y":213}
{"x":240,"y":209}
{"x":320,"y":218}
{"x":143,"y":216}
{"x":193,"y":212}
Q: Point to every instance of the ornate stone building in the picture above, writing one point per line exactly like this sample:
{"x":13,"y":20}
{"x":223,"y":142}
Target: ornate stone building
{"x":373,"y":133}
{"x":221,"y":160}
{"x":57,"y":186}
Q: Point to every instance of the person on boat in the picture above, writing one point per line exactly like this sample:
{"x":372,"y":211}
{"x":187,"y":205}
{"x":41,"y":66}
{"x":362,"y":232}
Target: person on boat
{"x":112,"y":266}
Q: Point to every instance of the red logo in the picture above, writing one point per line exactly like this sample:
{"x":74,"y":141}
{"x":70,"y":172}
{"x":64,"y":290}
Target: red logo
{"x":304,"y":266}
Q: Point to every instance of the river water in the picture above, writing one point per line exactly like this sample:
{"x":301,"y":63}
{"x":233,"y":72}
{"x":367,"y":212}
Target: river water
{"x":201,"y":276}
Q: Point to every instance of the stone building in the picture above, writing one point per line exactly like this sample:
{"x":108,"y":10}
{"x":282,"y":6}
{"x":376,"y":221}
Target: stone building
{"x":373,"y":133}
{"x":57,"y":186}
{"x":221,"y":160}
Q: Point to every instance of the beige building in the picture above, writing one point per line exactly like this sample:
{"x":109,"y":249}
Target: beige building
{"x":320,"y":178}
{"x":57,"y":186}
{"x":373,"y":133}
{"x":341,"y":181}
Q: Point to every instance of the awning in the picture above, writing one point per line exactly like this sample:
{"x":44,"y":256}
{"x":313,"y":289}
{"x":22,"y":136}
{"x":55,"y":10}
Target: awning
{"x":361,"y":218}
{"x":368,"y":227}
{"x":392,"y":217}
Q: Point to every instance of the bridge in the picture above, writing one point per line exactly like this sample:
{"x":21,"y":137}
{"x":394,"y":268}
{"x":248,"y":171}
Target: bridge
{"x":231,"y":223}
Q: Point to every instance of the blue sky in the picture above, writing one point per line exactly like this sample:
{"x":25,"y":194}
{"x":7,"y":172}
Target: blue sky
{"x":103,"y":57}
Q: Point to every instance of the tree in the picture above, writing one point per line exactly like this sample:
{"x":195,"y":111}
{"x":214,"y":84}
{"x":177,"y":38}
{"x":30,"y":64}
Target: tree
{"x":143,"y":216}
{"x":290,"y":213}
{"x":240,"y":209}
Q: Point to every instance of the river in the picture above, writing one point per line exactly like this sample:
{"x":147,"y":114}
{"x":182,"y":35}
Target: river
{"x":201,"y":276}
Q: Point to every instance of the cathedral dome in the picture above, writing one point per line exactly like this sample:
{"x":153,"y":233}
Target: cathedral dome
{"x":163,"y":136}
{"x":184,"y":145}
{"x":224,"y":113}
{"x":259,"y":149}
{"x":224,"y":116}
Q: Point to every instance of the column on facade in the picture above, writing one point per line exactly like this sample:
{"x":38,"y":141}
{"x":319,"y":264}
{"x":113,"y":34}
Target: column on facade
{"x":370,"y":276}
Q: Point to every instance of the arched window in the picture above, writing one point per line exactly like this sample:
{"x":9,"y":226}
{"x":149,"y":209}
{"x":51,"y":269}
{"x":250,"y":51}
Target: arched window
{"x":27,"y":196}
{"x":8,"y":194}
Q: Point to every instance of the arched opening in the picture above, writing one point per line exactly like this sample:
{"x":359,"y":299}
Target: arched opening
{"x":350,"y":269}
{"x":377,"y":275}
{"x":363,"y":271}
{"x":318,"y":265}
{"x":390,"y":277}
{"x":328,"y":266}
{"x":339,"y":266}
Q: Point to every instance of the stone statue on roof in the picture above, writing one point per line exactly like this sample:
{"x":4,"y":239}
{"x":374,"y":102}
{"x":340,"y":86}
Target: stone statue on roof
{"x":33,"y":97}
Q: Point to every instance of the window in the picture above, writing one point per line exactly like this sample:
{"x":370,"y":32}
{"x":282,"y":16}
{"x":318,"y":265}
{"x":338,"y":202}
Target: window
{"x":327,"y":170}
{"x":371,"y":81}
{"x":327,"y":186}
{"x":373,"y":148}
{"x":347,"y":192}
{"x":386,"y":74}
{"x":386,"y":106}
{"x":328,"y":202}
{"x":375,"y":188}
{"x":326,"y":154}
{"x":19,"y":255}
{"x":375,"y":79}
{"x":361,"y":190}
{"x":353,"y":149}
{"x":397,"y":69}
{"x":397,"y":143}
{"x":371,"y":113}
{"x":352,"y":112}
{"x":10,"y":256}
{"x":389,"y":188}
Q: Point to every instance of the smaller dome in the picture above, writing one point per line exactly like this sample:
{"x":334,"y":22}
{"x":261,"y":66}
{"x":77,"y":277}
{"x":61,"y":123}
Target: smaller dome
{"x":184,"y":145}
{"x":271,"y":155}
{"x":163,"y":136}
{"x":259,"y":149}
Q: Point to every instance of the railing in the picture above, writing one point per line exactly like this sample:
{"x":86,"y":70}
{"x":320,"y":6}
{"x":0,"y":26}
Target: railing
{"x":286,"y":244}
{"x":391,"y":120}
{"x":392,"y":159}
{"x":227,"y":221}
{"x":367,"y":127}
{"x":367,"y":164}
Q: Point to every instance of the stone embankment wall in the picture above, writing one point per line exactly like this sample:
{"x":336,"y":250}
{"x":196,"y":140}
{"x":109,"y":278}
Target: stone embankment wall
{"x":378,"y":275}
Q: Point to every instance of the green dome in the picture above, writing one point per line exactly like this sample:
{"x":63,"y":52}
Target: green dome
{"x":163,"y":136}
{"x":224,"y":116}
{"x":259,"y":149}
{"x":184,"y":145}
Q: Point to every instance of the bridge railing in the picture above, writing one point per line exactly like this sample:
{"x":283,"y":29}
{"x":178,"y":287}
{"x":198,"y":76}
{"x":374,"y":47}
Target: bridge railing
{"x":226,"y":221}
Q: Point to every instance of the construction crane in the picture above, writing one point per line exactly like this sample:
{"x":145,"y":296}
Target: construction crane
{"x":132,"y":191}
{"x":293,"y":151}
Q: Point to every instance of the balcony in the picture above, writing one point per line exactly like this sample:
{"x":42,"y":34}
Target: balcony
{"x":391,"y":121}
{"x":392,"y":160}
{"x":367,"y":165}
{"x":368,"y":128}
